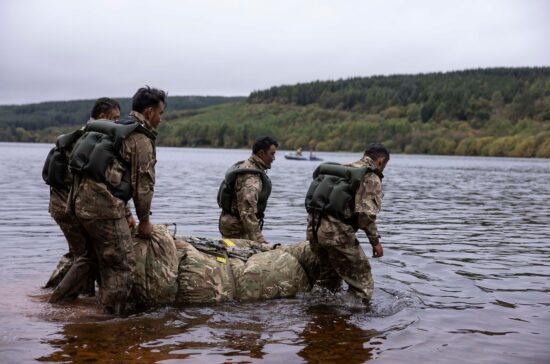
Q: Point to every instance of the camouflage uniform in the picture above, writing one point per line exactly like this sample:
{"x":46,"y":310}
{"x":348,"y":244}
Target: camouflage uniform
{"x":103,"y":217}
{"x":243,"y":223}
{"x":66,"y":220}
{"x":335,"y":242}
{"x":74,"y":233}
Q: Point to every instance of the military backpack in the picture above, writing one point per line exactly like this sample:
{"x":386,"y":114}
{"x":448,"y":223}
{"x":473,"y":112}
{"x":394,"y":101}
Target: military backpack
{"x":333,"y":189}
{"x":99,"y":146}
{"x":56,"y":165}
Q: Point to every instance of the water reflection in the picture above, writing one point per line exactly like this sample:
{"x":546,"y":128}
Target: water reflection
{"x":322,"y":334}
{"x":120,"y":340}
{"x":330,"y":337}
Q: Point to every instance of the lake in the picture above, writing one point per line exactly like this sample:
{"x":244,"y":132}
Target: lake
{"x":464,"y":277}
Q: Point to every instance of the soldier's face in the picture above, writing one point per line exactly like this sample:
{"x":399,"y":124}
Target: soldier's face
{"x":153,"y":114}
{"x":268,"y":155}
{"x":380,"y":163}
{"x":113,"y":114}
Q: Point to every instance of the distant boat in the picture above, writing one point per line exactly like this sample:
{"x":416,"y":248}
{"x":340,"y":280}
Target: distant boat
{"x":296,"y":157}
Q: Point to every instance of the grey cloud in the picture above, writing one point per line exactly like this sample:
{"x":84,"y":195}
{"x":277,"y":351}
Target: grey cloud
{"x":63,"y":49}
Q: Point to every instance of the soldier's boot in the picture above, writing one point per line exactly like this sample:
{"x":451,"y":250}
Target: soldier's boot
{"x":89,"y":287}
{"x":73,"y":283}
{"x":360,"y":296}
{"x":65,"y":292}
{"x":115,"y":309}
{"x":329,"y":279}
{"x":119,"y":308}
{"x":60,"y":271}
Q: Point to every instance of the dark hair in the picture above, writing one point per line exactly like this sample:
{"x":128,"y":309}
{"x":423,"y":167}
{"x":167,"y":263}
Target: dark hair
{"x":263,"y":143}
{"x":103,"y":105}
{"x":147,"y":96}
{"x":377,"y":150}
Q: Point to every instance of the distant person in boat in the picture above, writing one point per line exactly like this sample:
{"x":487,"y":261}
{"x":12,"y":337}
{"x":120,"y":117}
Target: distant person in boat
{"x":299,"y":152}
{"x":244,"y":192}
{"x":104,"y":108}
{"x":335,"y":215}
{"x":106,"y":179}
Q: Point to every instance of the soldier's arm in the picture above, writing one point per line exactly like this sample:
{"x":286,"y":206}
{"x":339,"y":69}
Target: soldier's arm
{"x":139,"y":151}
{"x":129,"y":217}
{"x":368,"y":202}
{"x":247,"y":204}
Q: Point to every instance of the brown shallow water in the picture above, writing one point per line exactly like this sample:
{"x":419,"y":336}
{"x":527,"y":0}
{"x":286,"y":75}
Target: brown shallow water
{"x":464,"y":277}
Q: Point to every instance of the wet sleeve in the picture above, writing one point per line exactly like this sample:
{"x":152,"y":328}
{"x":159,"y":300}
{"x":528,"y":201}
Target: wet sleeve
{"x":368,"y":202}
{"x":139,"y":151}
{"x":247,"y":204}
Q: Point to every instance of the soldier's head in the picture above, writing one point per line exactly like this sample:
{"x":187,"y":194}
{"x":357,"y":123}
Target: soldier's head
{"x":106,"y":108}
{"x":379,"y":154}
{"x":150,"y":102}
{"x":265,"y":148}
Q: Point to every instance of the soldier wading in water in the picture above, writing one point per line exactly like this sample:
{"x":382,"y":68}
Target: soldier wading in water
{"x":340,"y":200}
{"x":113,"y":163}
{"x":57,"y":175}
{"x":244,"y":193}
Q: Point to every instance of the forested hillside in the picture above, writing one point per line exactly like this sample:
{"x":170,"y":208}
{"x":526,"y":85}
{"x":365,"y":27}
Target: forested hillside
{"x":236,"y":125}
{"x":511,"y":93}
{"x":42,"y":122}
{"x":489,"y":112}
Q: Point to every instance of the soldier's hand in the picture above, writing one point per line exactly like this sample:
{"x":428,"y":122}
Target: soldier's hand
{"x":377,"y":251}
{"x":145,"y":229}
{"x":131,"y":221}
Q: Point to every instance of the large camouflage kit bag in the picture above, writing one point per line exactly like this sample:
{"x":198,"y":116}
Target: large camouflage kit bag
{"x":268,"y":275}
{"x":307,"y":259}
{"x":219,"y":270}
{"x":203,"y":278}
{"x":156,"y":271}
{"x":193,"y":270}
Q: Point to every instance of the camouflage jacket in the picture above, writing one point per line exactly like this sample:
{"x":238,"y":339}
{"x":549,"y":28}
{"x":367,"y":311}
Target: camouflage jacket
{"x":58,"y":197}
{"x":93,"y":200}
{"x":247,"y":188}
{"x":368,"y":202}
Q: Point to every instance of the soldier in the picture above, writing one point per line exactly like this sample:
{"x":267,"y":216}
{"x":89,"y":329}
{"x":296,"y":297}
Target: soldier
{"x":341,"y":200}
{"x":244,"y":193}
{"x":104,"y":108}
{"x":115,"y":163}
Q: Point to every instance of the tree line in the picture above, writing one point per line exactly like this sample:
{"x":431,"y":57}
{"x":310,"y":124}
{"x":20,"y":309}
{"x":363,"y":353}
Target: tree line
{"x":236,"y":125}
{"x":38,"y":122}
{"x":489,"y":112}
{"x":478,"y":94}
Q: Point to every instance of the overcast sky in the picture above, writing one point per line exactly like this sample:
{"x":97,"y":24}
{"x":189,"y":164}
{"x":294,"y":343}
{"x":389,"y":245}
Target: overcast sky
{"x":67,"y":49}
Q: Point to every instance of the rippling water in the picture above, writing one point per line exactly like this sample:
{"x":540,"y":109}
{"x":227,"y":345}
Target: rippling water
{"x":464,"y":276}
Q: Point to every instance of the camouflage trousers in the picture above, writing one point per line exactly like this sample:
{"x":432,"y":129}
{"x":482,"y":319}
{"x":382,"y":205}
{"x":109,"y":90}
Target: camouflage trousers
{"x":110,"y":248}
{"x":340,"y":256}
{"x":76,"y":239}
{"x":74,"y":233}
{"x":231,"y":227}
